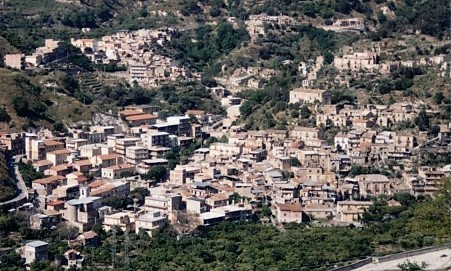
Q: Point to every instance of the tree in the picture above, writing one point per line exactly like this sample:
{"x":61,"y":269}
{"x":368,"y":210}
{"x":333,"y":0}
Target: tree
{"x":439,"y":97}
{"x":422,"y":120}
{"x":4,"y":116}
{"x":246,"y":108}
{"x":144,"y":192}
{"x":342,"y":6}
{"x":69,"y":83}
{"x":305,"y":112}
{"x":29,"y":173}
{"x":435,"y":129}
{"x":59,"y":127}
{"x":295,"y":162}
{"x":38,"y":107}
{"x":21,"y":105}
{"x":328,"y":58}
{"x":157,"y":173}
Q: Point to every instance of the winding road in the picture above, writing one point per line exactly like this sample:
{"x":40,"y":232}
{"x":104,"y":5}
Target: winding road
{"x":21,"y":186}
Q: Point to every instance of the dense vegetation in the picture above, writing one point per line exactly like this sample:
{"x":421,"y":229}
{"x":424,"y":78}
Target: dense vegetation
{"x":29,"y":173}
{"x":207,"y":45}
{"x":7,"y":185}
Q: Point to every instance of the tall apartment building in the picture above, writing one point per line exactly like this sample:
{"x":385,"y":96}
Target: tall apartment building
{"x":123,"y":143}
{"x":152,"y":139}
{"x":135,"y":154}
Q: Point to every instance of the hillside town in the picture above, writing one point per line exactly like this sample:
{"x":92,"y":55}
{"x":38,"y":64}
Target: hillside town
{"x":147,"y":169}
{"x":301,"y":176}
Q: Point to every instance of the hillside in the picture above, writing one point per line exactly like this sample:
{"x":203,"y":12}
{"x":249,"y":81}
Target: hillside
{"x":214,"y":37}
{"x":28,"y":104}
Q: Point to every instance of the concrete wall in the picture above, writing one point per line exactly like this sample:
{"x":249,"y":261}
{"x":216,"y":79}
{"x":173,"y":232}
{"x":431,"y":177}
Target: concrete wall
{"x":354,"y":265}
{"x":411,"y":253}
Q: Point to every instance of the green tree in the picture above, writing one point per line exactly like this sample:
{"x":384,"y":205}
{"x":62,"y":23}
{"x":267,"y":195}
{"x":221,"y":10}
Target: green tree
{"x":305,"y":112}
{"x":439,"y":97}
{"x":295,"y":162}
{"x":422,"y":120}
{"x":4,"y":116}
{"x":157,"y":173}
{"x":435,"y":129}
{"x":29,"y":173}
{"x":21,"y":105}
{"x":38,"y":107}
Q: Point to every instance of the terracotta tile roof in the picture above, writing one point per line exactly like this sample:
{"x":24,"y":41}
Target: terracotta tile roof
{"x":360,"y":121}
{"x":55,"y":203}
{"x":108,"y":156}
{"x":365,"y":145}
{"x":219,"y":197}
{"x":42,"y":163}
{"x":96,"y":184}
{"x":127,"y":113}
{"x":89,"y":234}
{"x":52,"y":143}
{"x":195,"y":112}
{"x":83,"y":163}
{"x":82,"y":179}
{"x":49,"y":180}
{"x":64,"y":151}
{"x":141,"y":117}
{"x":60,"y":167}
{"x":290,"y":207}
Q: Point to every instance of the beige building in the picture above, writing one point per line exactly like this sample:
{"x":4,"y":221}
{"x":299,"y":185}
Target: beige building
{"x":135,"y":154}
{"x":82,"y":213}
{"x":150,"y":221}
{"x":92,"y":150}
{"x":34,"y":251}
{"x":15,"y":61}
{"x":183,"y":174}
{"x":123,"y":143}
{"x":117,"y":171}
{"x":304,"y":133}
{"x":310,"y":96}
{"x":165,"y":203}
{"x":374,"y":184}
{"x":122,"y":220}
{"x":288,"y":212}
{"x":231,"y":151}
{"x":104,"y":161}
{"x":432,"y":178}
{"x":352,"y":211}
{"x":366,"y":60}
{"x":58,"y":157}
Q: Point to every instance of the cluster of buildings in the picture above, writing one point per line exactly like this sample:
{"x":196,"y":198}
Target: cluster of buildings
{"x":369,"y":62}
{"x":136,"y":51}
{"x":347,"y":25}
{"x":255,"y":25}
{"x":53,"y":50}
{"x":39,"y":251}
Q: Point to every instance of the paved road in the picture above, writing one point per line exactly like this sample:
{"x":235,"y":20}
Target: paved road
{"x":21,"y":187}
{"x":436,"y":260}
